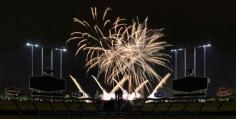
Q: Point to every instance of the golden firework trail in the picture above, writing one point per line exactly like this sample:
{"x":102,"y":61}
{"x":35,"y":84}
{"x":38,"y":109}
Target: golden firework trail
{"x":85,"y":95}
{"x":119,"y":49}
{"x":159,"y":85}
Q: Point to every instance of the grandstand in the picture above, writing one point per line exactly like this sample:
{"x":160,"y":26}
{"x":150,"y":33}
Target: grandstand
{"x":159,"y":107}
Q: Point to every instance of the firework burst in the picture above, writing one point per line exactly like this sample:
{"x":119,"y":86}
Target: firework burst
{"x":120,"y":50}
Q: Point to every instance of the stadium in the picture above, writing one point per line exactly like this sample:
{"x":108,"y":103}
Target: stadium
{"x":118,"y":59}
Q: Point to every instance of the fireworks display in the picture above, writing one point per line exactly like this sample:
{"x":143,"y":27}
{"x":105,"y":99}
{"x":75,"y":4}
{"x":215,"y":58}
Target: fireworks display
{"x":121,"y":50}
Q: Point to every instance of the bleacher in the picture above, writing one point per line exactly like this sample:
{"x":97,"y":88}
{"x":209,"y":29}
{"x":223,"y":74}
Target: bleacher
{"x":81,"y":107}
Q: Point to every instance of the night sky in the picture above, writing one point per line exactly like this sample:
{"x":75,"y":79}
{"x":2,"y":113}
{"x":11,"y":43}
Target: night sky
{"x":186,"y":24}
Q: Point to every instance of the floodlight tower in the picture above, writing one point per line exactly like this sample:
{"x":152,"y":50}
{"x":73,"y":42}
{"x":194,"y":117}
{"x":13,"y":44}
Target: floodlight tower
{"x":204,"y":56}
{"x":194,"y":61}
{"x":185,"y":62}
{"x":52,"y":61}
{"x":175,"y":51}
{"x":61,"y":50}
{"x":42,"y":61}
{"x":32,"y":55}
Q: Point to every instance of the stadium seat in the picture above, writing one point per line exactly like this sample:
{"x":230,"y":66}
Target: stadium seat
{"x":177,"y":107}
{"x":59,"y":106}
{"x":228,"y":107}
{"x":8,"y":106}
{"x":89,"y":107}
{"x":74,"y":106}
{"x":210,"y":107}
{"x":148,"y":107}
{"x":43,"y":106}
{"x":193,"y":107}
{"x":162,"y":107}
{"x":26,"y":106}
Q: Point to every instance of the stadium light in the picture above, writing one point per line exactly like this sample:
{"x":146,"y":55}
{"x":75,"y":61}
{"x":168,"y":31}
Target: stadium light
{"x":36,"y":45}
{"x":32,"y":45}
{"x":61,"y":49}
{"x":180,"y":49}
{"x":204,"y":46}
{"x":64,"y":49}
{"x":28,"y":44}
{"x":207,"y":45}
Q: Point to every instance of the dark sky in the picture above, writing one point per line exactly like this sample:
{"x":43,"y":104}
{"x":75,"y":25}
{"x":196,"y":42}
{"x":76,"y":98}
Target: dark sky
{"x":186,"y":24}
